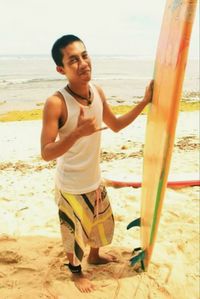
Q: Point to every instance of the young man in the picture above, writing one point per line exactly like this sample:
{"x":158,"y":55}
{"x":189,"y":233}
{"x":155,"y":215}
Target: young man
{"x":72,"y":124}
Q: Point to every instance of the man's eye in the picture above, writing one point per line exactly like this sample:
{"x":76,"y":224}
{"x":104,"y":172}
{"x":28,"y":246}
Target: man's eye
{"x":85,"y":56}
{"x":73,"y":60}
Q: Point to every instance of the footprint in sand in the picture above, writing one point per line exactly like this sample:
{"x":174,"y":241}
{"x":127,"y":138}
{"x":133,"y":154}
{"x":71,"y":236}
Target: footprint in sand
{"x":126,"y":254}
{"x":9,"y":257}
{"x":24,"y":269}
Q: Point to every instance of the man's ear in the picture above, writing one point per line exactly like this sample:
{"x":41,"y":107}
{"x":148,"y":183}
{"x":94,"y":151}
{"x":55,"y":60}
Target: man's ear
{"x":60,"y":70}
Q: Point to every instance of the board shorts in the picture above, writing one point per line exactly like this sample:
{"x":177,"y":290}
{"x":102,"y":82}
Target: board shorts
{"x":85,"y":219}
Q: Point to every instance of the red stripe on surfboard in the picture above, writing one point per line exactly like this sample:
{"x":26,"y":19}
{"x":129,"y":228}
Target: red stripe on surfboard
{"x":118,"y":184}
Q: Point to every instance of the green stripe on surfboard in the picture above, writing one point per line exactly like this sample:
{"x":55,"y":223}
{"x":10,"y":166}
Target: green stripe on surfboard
{"x":158,"y":198}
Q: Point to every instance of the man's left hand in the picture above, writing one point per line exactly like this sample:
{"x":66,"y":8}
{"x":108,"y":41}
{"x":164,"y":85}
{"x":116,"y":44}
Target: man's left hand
{"x":149,"y":93}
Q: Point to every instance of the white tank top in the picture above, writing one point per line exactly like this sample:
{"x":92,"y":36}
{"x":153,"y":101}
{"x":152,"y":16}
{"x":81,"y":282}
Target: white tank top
{"x":78,"y":170}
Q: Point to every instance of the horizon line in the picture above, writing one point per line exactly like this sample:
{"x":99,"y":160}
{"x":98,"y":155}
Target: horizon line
{"x":92,"y":54}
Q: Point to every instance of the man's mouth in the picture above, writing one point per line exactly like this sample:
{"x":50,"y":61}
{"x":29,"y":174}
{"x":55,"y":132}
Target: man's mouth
{"x":85,"y":72}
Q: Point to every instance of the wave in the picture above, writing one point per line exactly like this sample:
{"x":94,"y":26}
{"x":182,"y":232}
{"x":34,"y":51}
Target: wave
{"x":24,"y":57}
{"x":120,"y":78}
{"x":18,"y":81}
{"x":28,"y":81}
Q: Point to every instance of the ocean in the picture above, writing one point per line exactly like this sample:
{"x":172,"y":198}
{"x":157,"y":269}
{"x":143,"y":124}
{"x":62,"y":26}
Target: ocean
{"x":31,"y":79}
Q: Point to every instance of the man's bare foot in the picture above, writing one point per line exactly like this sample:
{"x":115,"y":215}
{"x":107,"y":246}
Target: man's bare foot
{"x":82,"y":283}
{"x":100,"y":260}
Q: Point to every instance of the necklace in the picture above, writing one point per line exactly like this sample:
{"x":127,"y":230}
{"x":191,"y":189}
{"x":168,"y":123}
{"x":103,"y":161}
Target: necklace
{"x":88,"y":99}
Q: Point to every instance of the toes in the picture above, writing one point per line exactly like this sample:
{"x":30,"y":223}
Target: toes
{"x":86,"y":288}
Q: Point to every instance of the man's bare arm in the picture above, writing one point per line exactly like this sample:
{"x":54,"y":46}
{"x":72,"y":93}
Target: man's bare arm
{"x":118,"y":123}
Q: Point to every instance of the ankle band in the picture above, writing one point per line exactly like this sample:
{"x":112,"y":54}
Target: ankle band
{"x":74,"y":269}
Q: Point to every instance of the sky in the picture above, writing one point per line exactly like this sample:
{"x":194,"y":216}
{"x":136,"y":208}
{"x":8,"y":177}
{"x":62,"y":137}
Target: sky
{"x":107,"y":27}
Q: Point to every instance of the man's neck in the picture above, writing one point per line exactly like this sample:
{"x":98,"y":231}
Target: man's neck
{"x":81,"y":89}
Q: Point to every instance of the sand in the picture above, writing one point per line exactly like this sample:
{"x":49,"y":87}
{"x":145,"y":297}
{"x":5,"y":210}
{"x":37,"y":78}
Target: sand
{"x":31,"y":254}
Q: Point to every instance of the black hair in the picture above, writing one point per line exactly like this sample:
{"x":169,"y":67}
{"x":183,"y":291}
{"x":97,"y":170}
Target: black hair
{"x":60,"y":44}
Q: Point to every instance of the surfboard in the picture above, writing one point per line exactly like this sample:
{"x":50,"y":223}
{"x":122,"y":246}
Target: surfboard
{"x":170,"y":63}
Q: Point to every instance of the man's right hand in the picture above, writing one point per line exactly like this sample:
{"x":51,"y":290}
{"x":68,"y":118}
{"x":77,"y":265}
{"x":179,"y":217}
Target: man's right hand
{"x":86,"y":126}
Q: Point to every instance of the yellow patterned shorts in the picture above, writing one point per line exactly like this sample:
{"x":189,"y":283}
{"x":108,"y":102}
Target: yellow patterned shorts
{"x":85,"y":219}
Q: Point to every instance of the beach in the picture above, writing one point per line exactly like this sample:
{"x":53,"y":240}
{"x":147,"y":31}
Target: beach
{"x":31,"y":254}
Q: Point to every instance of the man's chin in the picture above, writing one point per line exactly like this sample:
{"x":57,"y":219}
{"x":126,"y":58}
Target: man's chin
{"x":86,"y":77}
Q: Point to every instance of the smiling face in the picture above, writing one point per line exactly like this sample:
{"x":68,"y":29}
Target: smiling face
{"x":76,"y":63}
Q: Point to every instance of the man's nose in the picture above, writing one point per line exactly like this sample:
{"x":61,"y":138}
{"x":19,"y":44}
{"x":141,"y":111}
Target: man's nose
{"x":82,"y":62}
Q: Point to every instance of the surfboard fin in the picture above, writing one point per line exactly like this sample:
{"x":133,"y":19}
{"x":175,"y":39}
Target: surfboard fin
{"x":139,"y":257}
{"x":134,"y":223}
{"x":138,"y":253}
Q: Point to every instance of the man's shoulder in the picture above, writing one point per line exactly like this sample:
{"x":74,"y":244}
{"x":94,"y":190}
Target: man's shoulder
{"x":54,"y":100}
{"x":100,"y":91}
{"x":98,"y":87}
{"x":54,"y":105}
